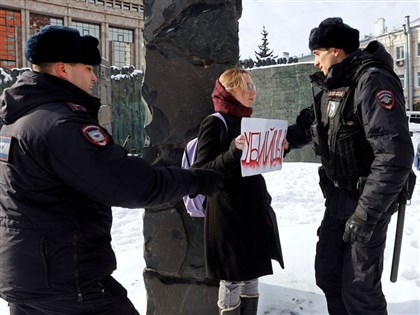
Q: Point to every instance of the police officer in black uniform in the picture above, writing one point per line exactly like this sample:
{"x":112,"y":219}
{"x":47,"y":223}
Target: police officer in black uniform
{"x":359,"y":128}
{"x":60,"y":173}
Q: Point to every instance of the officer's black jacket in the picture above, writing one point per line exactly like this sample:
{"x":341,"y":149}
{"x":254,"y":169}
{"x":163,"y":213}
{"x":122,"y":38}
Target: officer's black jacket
{"x":375,"y":109}
{"x":60,"y":173}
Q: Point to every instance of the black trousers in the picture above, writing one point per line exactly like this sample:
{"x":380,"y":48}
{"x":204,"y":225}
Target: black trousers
{"x":108,"y":297}
{"x":350,"y":275}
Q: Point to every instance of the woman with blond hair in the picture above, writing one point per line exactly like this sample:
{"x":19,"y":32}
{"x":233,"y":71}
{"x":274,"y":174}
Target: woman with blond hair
{"x":241,"y":235}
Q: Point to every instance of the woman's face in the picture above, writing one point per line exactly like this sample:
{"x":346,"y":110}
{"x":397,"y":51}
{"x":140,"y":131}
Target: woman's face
{"x":245,"y":96}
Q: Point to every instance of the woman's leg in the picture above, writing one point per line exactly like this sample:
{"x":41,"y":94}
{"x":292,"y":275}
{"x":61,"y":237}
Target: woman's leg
{"x":249,"y":297}
{"x":229,"y":294}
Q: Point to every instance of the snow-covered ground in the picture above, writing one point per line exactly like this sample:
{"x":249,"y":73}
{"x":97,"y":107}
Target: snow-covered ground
{"x":298,"y":203}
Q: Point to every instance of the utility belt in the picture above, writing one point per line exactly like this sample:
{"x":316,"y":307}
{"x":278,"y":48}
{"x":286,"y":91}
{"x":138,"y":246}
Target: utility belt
{"x":404,"y":196}
{"x":347,"y":184}
{"x":356,"y":185}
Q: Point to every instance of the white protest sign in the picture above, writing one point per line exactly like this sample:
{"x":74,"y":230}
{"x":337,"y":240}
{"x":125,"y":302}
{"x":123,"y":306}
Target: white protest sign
{"x":263,"y":151}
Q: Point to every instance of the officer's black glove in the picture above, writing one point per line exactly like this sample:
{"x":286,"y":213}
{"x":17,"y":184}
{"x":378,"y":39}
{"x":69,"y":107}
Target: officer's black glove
{"x":357,"y":230}
{"x":208,"y":182}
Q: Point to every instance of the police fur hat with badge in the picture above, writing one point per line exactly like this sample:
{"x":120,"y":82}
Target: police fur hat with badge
{"x":55,"y":43}
{"x":332,"y":32}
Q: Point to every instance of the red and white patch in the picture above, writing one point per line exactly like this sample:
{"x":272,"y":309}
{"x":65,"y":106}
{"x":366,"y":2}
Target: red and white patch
{"x":95,"y":135}
{"x":386,"y":99}
{"x":76,"y":107}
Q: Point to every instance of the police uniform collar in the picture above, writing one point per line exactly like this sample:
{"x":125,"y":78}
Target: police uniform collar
{"x":341,"y":73}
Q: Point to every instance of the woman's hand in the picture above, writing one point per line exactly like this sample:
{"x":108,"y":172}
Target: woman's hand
{"x":240,"y":142}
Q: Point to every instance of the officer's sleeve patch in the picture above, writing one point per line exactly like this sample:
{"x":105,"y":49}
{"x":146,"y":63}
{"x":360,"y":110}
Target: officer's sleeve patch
{"x":76,"y":107}
{"x":5,"y":148}
{"x":385,"y":98}
{"x":95,"y":135}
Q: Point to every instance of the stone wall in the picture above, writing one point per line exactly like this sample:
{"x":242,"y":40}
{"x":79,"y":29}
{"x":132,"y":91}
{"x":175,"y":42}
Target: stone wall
{"x":282,"y":92}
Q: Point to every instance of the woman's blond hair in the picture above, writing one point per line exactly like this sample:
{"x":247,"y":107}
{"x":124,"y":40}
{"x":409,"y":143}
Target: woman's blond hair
{"x":233,"y":78}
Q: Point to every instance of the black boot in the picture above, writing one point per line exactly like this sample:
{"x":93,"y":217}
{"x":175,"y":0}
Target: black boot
{"x":249,"y":305}
{"x":231,"y":311}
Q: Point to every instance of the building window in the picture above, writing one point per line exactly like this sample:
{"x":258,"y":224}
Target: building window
{"x":418,"y":49}
{"x":121,"y":41}
{"x":86,"y":28}
{"x":10,"y":30}
{"x":36,"y":21}
{"x":400,"y":53}
{"x":402,"y":79}
{"x":418,"y":79}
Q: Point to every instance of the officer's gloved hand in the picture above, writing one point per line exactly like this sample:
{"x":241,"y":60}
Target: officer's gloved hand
{"x":357,"y":230}
{"x":208,"y":182}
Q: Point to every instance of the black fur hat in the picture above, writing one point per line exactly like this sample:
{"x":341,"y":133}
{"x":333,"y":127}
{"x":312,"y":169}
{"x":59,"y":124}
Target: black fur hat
{"x":332,"y":32}
{"x":55,"y":43}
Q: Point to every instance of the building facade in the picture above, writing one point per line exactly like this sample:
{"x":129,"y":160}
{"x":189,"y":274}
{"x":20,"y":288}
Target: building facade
{"x":118,"y":24}
{"x":403,"y":43}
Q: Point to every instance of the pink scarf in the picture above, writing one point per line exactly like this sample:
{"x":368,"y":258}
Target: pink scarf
{"x":226,"y":103}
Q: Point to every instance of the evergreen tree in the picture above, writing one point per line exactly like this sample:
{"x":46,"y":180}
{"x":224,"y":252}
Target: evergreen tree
{"x":264,"y":52}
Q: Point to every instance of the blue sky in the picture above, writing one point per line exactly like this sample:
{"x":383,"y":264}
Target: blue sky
{"x":289,"y":22}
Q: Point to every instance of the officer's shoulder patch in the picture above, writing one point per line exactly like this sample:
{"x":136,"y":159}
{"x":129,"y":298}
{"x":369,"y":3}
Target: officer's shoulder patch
{"x":372,"y":70}
{"x":94,"y":134}
{"x":76,"y":107}
{"x":385,"y":98}
{"x":5,"y":143}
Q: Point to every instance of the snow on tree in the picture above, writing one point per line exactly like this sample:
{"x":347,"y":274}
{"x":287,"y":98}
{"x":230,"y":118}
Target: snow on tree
{"x":265,"y":55}
{"x":264,"y":52}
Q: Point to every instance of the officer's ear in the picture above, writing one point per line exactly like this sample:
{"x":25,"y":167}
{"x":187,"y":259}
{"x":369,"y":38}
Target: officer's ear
{"x":61,"y":70}
{"x":339,"y":54}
